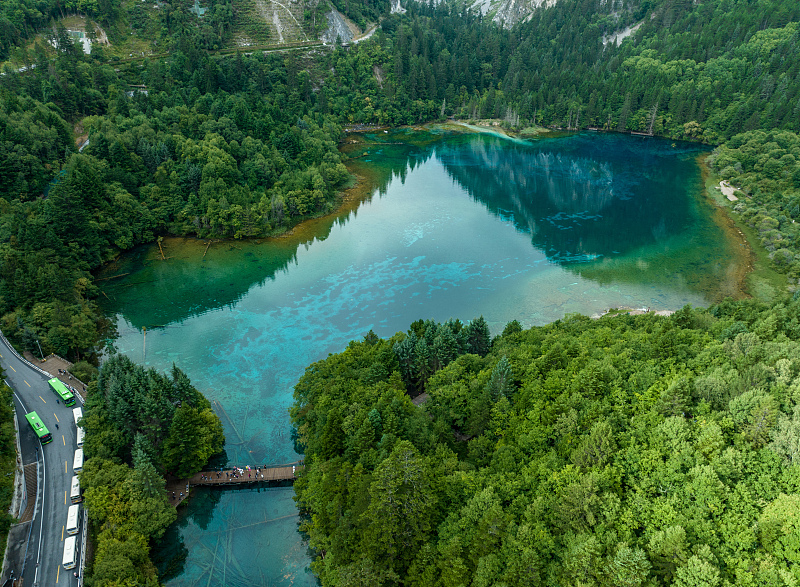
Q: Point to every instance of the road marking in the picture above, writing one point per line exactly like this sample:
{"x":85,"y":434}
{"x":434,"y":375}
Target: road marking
{"x":65,"y":503}
{"x":12,"y":368}
{"x":62,"y":533}
{"x":26,"y":383}
{"x":64,"y":439}
{"x":41,"y":525}
{"x":65,"y":469}
{"x":58,"y":571}
{"x":57,"y":420}
{"x":41,"y":398}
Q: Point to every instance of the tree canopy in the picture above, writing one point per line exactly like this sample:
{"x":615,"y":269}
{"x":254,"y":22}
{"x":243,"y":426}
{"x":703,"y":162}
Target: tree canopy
{"x":140,"y":425}
{"x":629,"y":450}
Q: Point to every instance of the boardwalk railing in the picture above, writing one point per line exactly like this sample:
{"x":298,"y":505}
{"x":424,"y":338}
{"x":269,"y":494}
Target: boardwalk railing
{"x":241,"y":475}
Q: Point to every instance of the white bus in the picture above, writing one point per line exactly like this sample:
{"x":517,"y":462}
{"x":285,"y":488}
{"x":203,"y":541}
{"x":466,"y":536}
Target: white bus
{"x":75,"y":490}
{"x":81,"y":434}
{"x":77,"y":413}
{"x":73,"y":519}
{"x":70,"y":552}
{"x":77,"y":462}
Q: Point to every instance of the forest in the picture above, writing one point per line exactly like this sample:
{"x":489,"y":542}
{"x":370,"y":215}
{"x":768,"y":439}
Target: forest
{"x":140,"y":426}
{"x":624,"y":451}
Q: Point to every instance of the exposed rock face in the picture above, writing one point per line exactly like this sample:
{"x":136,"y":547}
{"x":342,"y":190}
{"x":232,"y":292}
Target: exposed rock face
{"x":269,"y":21}
{"x":509,"y":12}
{"x":620,"y":36}
{"x":337,"y":27}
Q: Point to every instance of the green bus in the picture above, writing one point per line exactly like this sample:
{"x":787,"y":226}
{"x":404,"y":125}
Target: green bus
{"x":62,"y":391}
{"x":38,"y":427}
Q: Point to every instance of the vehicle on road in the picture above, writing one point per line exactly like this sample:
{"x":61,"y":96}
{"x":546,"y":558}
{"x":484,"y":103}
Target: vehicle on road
{"x":39,"y":428}
{"x":81,"y":434}
{"x":70,"y":552}
{"x":77,"y":462}
{"x":77,"y":414}
{"x":73,"y":519}
{"x":61,"y":390}
{"x":75,"y":490}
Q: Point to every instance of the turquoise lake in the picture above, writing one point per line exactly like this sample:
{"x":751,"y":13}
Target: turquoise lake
{"x":443,"y":224}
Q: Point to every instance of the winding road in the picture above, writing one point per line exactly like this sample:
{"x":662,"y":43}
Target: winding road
{"x":46,"y":545}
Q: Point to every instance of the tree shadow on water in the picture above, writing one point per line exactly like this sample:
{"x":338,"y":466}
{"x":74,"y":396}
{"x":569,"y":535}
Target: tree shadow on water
{"x":204,"y":502}
{"x":170,"y":554}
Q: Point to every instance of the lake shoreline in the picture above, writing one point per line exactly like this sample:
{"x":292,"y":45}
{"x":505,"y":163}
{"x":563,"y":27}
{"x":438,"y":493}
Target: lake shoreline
{"x":365,"y":181}
{"x":758,"y":279}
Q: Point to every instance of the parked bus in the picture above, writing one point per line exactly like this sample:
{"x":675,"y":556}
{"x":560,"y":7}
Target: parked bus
{"x":77,"y":462}
{"x":39,"y":428}
{"x":73,"y":519}
{"x":77,"y":414}
{"x":70,"y":552}
{"x":62,"y":391}
{"x":75,"y":490}
{"x":81,"y":433}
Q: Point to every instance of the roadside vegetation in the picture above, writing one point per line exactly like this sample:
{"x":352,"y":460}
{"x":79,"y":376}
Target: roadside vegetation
{"x":8,"y":460}
{"x":140,"y":426}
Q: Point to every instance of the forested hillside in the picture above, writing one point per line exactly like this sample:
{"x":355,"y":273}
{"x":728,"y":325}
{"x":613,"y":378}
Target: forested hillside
{"x":720,"y":68}
{"x":625,"y":451}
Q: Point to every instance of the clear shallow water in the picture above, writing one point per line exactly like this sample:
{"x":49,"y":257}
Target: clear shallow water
{"x":454,"y":226}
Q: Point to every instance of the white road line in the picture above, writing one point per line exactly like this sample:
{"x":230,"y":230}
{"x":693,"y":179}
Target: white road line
{"x":19,"y":399}
{"x":41,"y":524}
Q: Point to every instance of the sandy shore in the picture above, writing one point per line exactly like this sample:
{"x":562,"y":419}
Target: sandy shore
{"x":633,"y":312}
{"x":728,"y":190}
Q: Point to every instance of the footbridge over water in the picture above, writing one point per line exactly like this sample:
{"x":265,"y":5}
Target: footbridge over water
{"x":247,"y":474}
{"x":178,"y":489}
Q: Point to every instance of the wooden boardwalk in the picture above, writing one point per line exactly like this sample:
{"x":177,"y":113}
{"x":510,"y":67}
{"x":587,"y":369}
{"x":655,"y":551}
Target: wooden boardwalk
{"x":178,"y":489}
{"x":255,"y":474}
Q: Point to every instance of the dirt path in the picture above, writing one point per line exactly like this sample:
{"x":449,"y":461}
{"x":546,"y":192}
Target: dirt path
{"x":728,"y":190}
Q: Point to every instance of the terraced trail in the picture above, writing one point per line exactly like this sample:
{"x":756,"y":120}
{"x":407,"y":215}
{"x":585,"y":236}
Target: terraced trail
{"x":268,"y":21}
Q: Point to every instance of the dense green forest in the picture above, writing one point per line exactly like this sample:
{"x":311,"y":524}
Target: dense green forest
{"x":629,"y":450}
{"x":140,"y":425}
{"x":224,"y":162}
{"x":765,"y":166}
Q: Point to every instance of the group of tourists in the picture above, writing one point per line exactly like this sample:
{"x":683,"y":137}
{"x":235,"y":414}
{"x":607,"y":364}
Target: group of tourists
{"x":72,"y":389}
{"x":238,"y":473}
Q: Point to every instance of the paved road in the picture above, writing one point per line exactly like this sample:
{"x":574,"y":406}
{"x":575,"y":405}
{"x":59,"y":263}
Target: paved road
{"x":32,"y":393}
